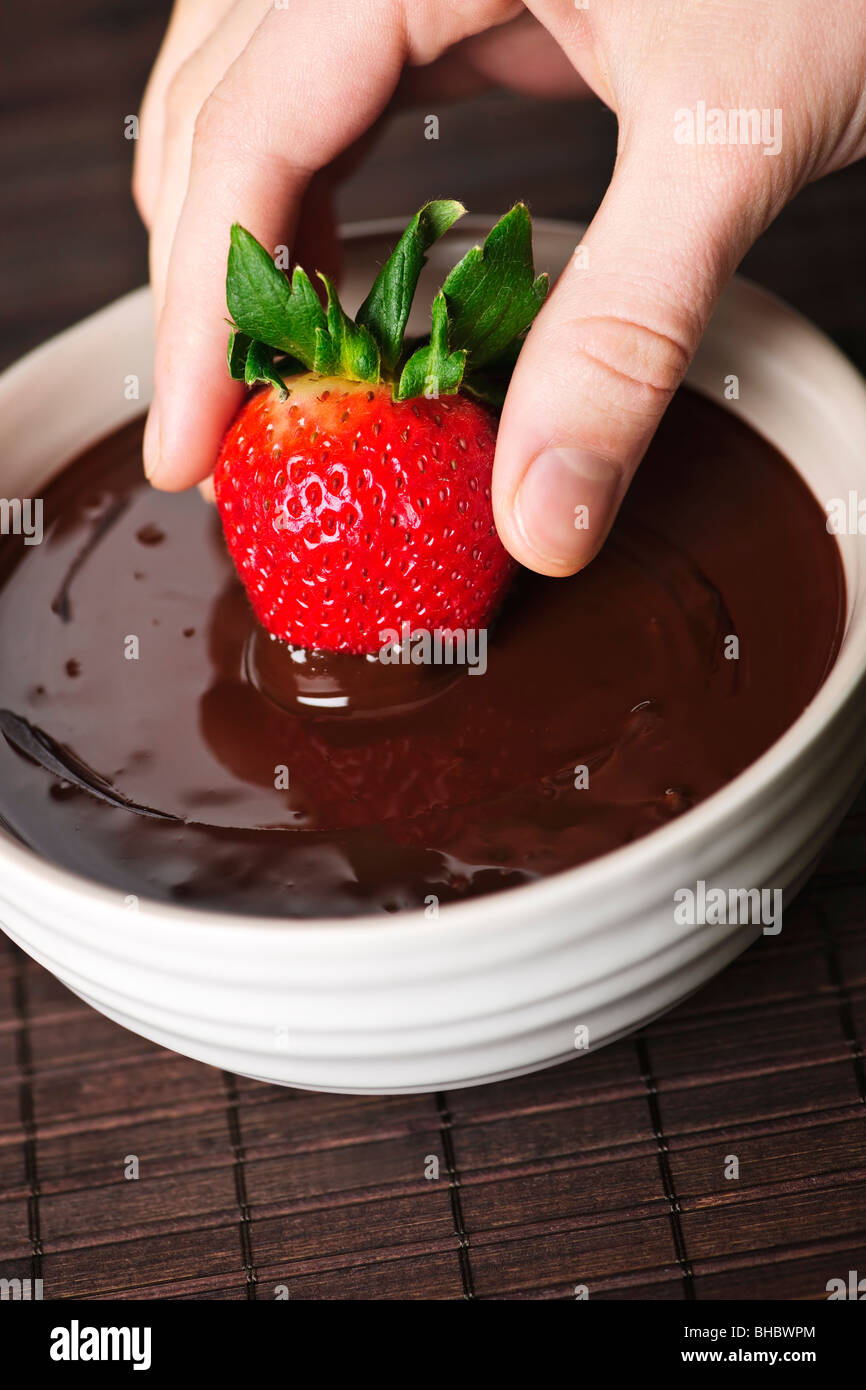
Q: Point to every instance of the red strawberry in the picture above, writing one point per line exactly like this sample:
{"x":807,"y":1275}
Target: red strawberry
{"x":355,"y":496}
{"x":347,"y":513}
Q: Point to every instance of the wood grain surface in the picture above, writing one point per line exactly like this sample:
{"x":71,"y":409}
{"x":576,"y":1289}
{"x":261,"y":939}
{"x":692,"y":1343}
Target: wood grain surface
{"x":608,"y":1173}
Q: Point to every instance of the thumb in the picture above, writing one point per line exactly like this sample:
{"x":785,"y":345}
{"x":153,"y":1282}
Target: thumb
{"x":607,"y":352}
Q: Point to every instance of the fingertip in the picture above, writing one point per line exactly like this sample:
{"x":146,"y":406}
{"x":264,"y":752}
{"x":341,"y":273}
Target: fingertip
{"x":186,"y":426}
{"x":207,"y":490}
{"x":150,"y":447}
{"x":562,"y":510}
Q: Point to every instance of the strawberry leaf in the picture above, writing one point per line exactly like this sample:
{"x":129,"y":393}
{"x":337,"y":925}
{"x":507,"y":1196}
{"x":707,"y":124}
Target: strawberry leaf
{"x":259,"y":366}
{"x":385,"y":311}
{"x":265,"y":306}
{"x":344,"y":348}
{"x":238,"y":347}
{"x":492,"y":295}
{"x":433,"y":370}
{"x":491,"y":383}
{"x":479,"y":317}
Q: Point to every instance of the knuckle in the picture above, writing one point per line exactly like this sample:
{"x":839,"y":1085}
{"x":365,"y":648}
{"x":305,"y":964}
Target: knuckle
{"x":213,"y":122}
{"x":632,"y":362}
{"x":180,"y":98}
{"x":218,"y":138}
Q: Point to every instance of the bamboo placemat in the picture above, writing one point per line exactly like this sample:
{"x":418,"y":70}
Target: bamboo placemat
{"x":606,"y":1175}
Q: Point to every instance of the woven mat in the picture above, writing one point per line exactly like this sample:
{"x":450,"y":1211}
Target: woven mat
{"x":607,"y":1173}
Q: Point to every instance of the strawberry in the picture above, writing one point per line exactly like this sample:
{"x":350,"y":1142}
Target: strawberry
{"x":354,"y":488}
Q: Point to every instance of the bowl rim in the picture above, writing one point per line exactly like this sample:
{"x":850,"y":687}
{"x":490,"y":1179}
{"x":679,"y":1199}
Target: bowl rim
{"x":521,"y":904}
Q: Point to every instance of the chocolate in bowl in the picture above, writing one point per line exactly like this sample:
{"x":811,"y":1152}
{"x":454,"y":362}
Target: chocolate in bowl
{"x":621,"y":670}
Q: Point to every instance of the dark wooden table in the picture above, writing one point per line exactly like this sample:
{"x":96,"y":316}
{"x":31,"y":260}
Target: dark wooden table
{"x":608,"y":1173}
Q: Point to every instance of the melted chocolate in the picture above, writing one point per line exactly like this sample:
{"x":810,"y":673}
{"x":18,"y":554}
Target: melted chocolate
{"x":164,"y":773}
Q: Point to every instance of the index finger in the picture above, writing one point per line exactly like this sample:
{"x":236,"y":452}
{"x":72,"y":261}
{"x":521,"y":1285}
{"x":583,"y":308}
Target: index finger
{"x":286,"y":107}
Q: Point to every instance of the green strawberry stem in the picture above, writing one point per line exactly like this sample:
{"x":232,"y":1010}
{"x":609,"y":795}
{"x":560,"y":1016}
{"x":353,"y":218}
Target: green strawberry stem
{"x":479,"y":318}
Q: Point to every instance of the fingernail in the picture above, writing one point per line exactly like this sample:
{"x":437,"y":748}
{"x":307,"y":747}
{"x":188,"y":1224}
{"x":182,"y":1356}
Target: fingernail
{"x":565,"y":504}
{"x":150,"y":443}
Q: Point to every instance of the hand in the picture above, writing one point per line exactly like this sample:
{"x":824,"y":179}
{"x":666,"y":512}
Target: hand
{"x":252,"y":108}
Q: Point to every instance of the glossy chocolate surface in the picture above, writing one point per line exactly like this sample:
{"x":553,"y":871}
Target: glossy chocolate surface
{"x":405,"y":783}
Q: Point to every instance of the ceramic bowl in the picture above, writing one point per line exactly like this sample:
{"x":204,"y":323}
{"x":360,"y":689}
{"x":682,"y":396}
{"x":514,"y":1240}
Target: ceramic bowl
{"x":502,"y":984}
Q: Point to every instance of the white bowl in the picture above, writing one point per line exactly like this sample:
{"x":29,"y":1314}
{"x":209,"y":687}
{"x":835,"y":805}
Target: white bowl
{"x":498,"y":985}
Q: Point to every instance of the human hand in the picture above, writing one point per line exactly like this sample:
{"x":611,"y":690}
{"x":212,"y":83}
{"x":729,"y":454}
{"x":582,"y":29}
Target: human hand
{"x":251,"y":108}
